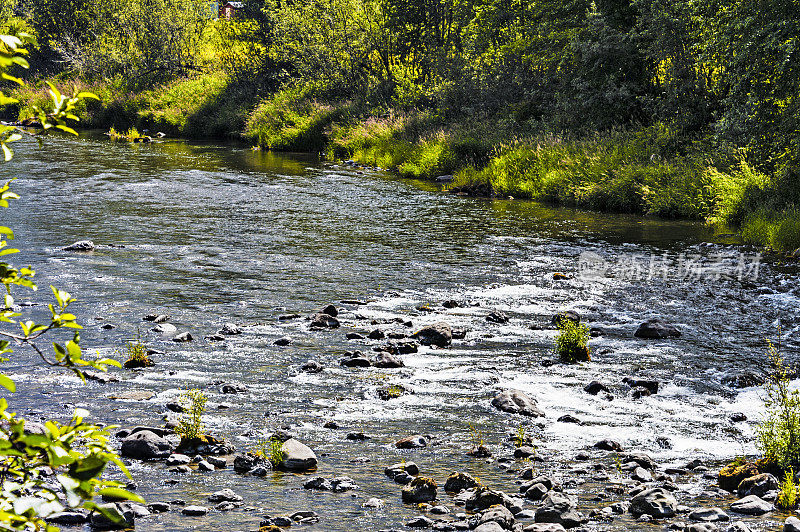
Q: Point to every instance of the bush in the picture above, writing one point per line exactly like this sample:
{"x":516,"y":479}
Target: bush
{"x":190,"y":425}
{"x":135,"y":353}
{"x":779,"y":432}
{"x":787,"y":494}
{"x":572,"y":342}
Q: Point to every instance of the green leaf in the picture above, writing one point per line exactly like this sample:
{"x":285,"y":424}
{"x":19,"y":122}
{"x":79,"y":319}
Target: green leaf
{"x":119,"y":493}
{"x":7,"y":383}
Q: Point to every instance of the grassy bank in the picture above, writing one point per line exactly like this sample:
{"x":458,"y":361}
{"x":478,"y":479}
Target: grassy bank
{"x":649,"y":171}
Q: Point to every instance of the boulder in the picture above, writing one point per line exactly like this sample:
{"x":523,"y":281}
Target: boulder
{"x":439,"y":334}
{"x":145,"y":445}
{"x":709,"y":515}
{"x":734,"y":473}
{"x":67,"y":518}
{"x":752,"y":505}
{"x":297,"y":456}
{"x":758,"y":485}
{"x":656,"y":329}
{"x":324,"y":321}
{"x":230,"y":329}
{"x":516,"y":402}
{"x":482,"y":498}
{"x":655,"y":502}
{"x":421,"y":489}
{"x":124,"y":517}
{"x":497,"y":316}
{"x":83,"y":246}
{"x":225,"y":495}
{"x":649,"y":385}
{"x":457,"y":482}
{"x":312,"y":366}
{"x":411,"y":442}
{"x":640,"y":459}
{"x":330,"y":310}
{"x":194,"y":510}
{"x":283,"y":341}
{"x":564,"y":316}
{"x":387,"y":361}
{"x":595,"y":387}
{"x":497,"y":514}
{"x":560,"y":509}
{"x":792,"y":524}
{"x":544,"y":527}
{"x":608,"y":445}
{"x":409,"y":468}
{"x":183,"y":337}
{"x":165,"y":329}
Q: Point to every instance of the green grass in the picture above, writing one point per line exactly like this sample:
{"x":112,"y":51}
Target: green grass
{"x":572,"y":342}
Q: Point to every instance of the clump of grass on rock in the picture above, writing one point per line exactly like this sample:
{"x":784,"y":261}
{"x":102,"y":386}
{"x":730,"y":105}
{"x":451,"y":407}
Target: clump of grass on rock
{"x":572,"y":342}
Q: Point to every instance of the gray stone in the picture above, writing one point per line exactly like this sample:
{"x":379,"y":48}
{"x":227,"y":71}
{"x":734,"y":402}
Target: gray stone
{"x":516,"y":402}
{"x":225,"y":495}
{"x":758,"y":485}
{"x":560,"y":509}
{"x":324,"y":321}
{"x":792,"y":524}
{"x":709,"y":515}
{"x":419,"y":490}
{"x":165,"y":329}
{"x":496,"y":514}
{"x":145,"y":445}
{"x":124,"y":517}
{"x":544,"y":527}
{"x":655,"y":502}
{"x":387,"y":361}
{"x":751,"y":505}
{"x":657,"y":329}
{"x":81,"y":246}
{"x":297,"y":456}
{"x":67,"y":518}
{"x":230,"y":329}
{"x":460,"y":481}
{"x":411,"y":442}
{"x":183,"y":337}
{"x":178,"y":459}
{"x":195,"y":510}
{"x":439,"y":334}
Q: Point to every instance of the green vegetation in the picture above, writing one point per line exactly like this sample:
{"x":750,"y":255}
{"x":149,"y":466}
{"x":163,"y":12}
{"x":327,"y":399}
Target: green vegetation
{"x":572,"y":342}
{"x":190,"y":424}
{"x":135,"y":354}
{"x":78,"y":452}
{"x":670,"y":109}
{"x":271,"y":449}
{"x":519,"y":438}
{"x":787,"y":493}
{"x":779,"y":432}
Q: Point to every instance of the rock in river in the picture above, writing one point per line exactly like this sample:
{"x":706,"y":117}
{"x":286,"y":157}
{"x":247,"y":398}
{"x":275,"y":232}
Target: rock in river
{"x":560,"y":509}
{"x":297,"y":456}
{"x":324,"y":321}
{"x":516,"y":402}
{"x":145,"y":445}
{"x":125,"y":517}
{"x":655,"y":502}
{"x":752,"y":505}
{"x":81,"y":246}
{"x":421,"y":489}
{"x":439,"y":334}
{"x":657,"y":329}
{"x":411,"y":442}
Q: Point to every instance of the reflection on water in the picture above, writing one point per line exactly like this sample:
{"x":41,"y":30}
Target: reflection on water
{"x":210,"y":233}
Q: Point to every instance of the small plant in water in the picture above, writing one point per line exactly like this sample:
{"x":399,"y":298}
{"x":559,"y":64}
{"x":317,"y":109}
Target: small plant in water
{"x":779,"y":432}
{"x":787,"y":494}
{"x":190,"y":425}
{"x":135,"y":354}
{"x":478,"y":450}
{"x":519,"y":438}
{"x":572,"y":342}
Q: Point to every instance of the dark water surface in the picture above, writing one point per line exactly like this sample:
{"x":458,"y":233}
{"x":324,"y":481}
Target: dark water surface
{"x":215,"y":233}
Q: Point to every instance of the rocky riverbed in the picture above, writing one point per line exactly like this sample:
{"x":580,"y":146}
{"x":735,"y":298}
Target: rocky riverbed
{"x":405,"y":339}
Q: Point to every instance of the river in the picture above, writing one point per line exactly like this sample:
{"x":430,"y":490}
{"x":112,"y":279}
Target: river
{"x":210,"y":233}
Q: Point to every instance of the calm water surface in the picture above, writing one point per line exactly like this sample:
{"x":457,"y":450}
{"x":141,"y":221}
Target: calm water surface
{"x":214,"y":233}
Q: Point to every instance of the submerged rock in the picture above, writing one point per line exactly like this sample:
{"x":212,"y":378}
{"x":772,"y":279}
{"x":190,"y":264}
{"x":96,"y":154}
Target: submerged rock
{"x":516,"y":402}
{"x":230,"y":329}
{"x":656,"y":329}
{"x":83,"y":246}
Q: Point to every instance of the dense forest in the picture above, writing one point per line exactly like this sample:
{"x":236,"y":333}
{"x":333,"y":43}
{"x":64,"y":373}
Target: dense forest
{"x":676,"y":109}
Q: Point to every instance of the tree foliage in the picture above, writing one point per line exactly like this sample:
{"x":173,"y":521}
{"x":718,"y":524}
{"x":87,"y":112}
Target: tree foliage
{"x":46,"y":467}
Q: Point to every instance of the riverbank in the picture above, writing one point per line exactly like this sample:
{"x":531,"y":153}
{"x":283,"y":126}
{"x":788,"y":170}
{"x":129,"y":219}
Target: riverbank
{"x":649,"y":171}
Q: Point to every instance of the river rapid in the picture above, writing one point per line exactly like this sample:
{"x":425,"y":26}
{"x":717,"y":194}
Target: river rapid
{"x":211,"y":233}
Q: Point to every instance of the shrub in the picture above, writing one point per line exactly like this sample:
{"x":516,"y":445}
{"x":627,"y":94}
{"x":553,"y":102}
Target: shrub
{"x":135,"y":353}
{"x":190,"y":425}
{"x":779,"y":431}
{"x":787,"y":494}
{"x":572,"y":342}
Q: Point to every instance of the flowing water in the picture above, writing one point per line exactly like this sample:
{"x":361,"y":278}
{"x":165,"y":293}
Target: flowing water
{"x":213,"y":233}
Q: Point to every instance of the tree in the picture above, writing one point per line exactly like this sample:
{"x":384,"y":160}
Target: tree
{"x":45,"y":468}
